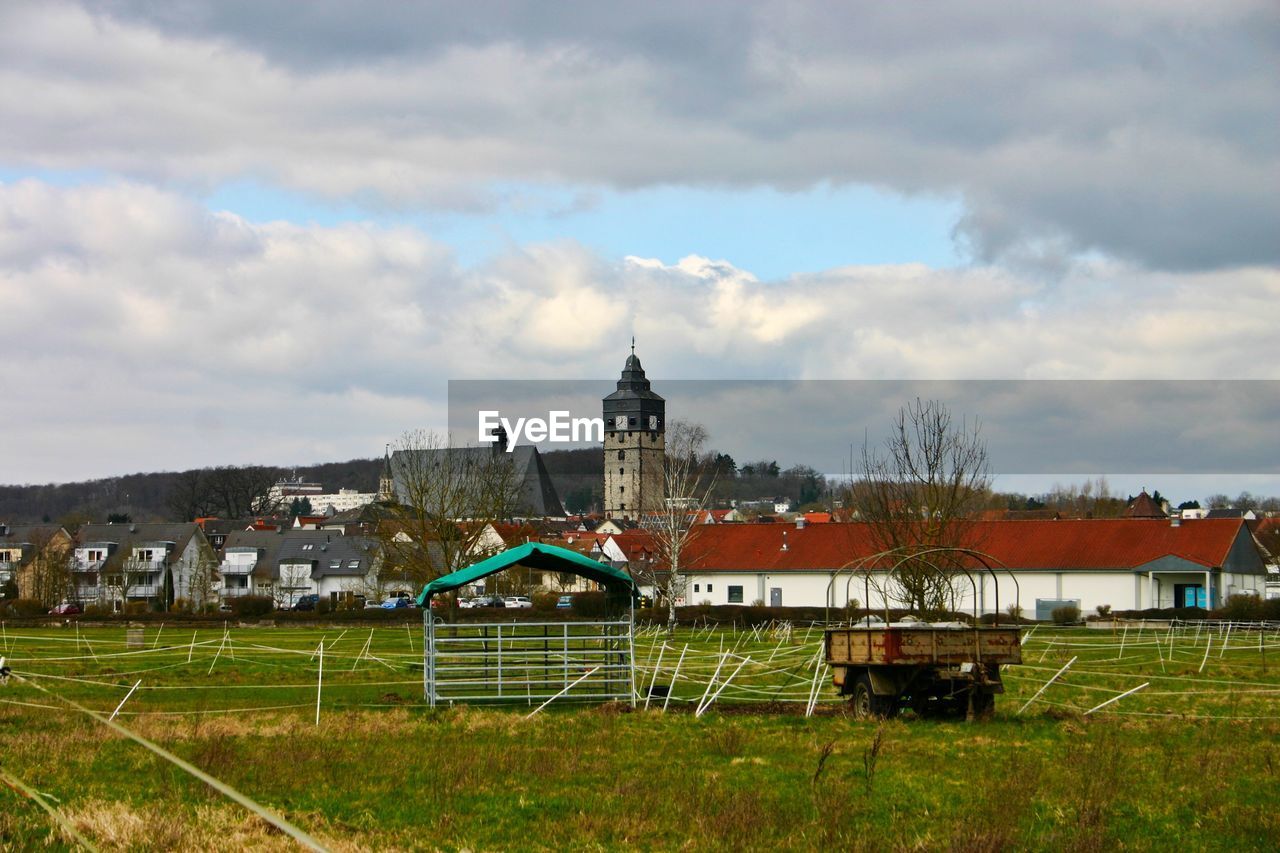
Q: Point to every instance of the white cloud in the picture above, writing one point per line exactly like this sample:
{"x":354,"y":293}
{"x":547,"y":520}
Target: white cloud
{"x":142,"y":331}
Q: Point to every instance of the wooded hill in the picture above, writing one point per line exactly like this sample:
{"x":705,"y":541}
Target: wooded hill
{"x":578,"y":476}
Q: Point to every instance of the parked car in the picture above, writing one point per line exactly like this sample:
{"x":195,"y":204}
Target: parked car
{"x":394,"y":601}
{"x":307,"y":602}
{"x":66,"y":608}
{"x":564,"y":602}
{"x":488,"y":601}
{"x":517,"y":601}
{"x":465,"y":603}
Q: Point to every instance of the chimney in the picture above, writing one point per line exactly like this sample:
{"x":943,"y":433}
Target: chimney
{"x":1175,"y":520}
{"x":784,"y":540}
{"x":799,"y":522}
{"x":500,"y":440}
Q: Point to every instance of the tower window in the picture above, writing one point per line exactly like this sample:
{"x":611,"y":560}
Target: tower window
{"x":621,"y":471}
{"x":622,"y":506}
{"x":622,"y":454}
{"x":622,"y":488}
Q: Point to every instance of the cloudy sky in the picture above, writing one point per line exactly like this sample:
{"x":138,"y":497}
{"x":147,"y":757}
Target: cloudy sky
{"x":270,"y":232}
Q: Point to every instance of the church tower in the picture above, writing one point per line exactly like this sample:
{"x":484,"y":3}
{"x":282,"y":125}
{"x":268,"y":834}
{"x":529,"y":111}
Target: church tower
{"x":634,"y":445}
{"x":386,"y":482}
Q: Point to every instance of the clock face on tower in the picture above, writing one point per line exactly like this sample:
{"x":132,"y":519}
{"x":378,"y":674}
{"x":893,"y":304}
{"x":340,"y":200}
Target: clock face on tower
{"x":620,"y":422}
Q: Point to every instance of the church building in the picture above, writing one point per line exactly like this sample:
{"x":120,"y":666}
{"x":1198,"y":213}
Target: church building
{"x":634,"y":445}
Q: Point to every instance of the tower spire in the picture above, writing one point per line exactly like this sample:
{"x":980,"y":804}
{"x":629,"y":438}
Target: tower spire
{"x":633,"y":344}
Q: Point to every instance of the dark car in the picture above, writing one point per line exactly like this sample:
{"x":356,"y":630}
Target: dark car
{"x":307,"y":602}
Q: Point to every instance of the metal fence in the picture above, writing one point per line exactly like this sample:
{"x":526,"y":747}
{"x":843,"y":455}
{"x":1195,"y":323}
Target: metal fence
{"x":528,"y":662}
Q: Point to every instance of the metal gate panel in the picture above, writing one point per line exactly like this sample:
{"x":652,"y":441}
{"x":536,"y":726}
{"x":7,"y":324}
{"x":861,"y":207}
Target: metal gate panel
{"x":528,"y":662}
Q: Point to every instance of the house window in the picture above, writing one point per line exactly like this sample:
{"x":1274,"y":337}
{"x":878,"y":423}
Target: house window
{"x":335,"y":564}
{"x":354,"y":564}
{"x":308,"y":547}
{"x":708,"y":587}
{"x":695,"y":588}
{"x":735,"y":595}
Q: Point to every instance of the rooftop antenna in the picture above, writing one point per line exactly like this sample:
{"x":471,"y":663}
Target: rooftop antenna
{"x":633,"y":344}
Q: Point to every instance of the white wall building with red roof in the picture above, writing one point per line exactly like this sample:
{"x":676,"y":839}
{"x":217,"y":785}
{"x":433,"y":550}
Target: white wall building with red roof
{"x":1125,"y":563}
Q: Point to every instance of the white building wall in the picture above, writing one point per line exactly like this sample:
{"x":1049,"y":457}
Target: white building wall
{"x":1122,"y":590}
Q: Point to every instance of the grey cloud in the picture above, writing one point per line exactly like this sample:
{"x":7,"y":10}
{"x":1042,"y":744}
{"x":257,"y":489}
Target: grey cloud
{"x":1139,"y":130}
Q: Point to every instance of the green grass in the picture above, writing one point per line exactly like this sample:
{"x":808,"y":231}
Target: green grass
{"x":1190,"y":761}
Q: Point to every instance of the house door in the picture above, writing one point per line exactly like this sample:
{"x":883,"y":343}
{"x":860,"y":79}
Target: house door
{"x":775,"y":596}
{"x":1190,"y":595}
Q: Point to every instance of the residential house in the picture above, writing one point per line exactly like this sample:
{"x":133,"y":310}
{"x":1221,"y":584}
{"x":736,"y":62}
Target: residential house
{"x":26,"y":552}
{"x":115,"y":563}
{"x":319,"y":562}
{"x":248,"y":565}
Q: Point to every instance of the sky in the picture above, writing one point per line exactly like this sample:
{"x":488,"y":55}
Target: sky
{"x":269,"y":232}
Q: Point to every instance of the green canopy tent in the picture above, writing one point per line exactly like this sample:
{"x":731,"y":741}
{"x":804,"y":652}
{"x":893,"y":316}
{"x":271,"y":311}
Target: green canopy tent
{"x":527,"y":661}
{"x":533,"y":555}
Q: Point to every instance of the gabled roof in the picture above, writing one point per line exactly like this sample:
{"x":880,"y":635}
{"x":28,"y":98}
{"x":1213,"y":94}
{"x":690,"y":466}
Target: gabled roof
{"x":31,"y":538}
{"x":324,"y":548}
{"x":133,"y":535}
{"x":265,"y":542}
{"x":1122,"y":543}
{"x":533,"y":555}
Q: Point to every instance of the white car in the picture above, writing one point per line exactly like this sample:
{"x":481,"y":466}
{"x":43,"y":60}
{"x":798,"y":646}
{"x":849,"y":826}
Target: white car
{"x":517,"y":601}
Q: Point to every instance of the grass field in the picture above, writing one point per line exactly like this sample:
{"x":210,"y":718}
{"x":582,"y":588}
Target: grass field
{"x":1190,"y":760}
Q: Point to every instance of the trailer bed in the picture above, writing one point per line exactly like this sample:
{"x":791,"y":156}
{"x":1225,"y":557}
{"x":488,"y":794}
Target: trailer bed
{"x":916,"y":646}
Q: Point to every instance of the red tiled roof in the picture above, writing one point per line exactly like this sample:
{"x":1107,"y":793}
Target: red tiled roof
{"x":1120,"y":543}
{"x":817,"y":517}
{"x":636,"y":544}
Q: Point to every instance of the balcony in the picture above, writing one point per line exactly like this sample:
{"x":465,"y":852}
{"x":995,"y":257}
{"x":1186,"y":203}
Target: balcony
{"x":86,"y":593}
{"x":236,"y":568}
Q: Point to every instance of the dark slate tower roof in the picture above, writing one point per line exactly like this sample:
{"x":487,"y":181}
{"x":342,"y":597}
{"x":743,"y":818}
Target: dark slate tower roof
{"x":634,"y":400}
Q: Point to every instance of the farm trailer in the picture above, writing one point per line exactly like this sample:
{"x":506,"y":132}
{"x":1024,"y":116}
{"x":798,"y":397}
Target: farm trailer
{"x":928,"y":668}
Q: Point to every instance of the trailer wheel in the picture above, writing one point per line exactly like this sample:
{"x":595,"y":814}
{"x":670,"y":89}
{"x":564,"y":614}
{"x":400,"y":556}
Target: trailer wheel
{"x":983,"y":705}
{"x":867,"y":705}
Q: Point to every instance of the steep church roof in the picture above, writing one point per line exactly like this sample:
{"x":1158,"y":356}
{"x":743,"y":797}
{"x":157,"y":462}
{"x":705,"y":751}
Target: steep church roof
{"x":1144,"y":506}
{"x":535,"y":493}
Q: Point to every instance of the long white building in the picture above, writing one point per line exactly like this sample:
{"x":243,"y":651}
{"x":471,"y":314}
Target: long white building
{"x":1127,"y":564}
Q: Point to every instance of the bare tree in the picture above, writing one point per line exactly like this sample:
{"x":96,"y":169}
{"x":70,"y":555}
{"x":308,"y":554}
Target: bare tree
{"x":688,"y":478}
{"x":922,"y":490}
{"x":203,"y":582}
{"x":192,"y":495}
{"x":46,"y":576}
{"x":446,"y":496}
